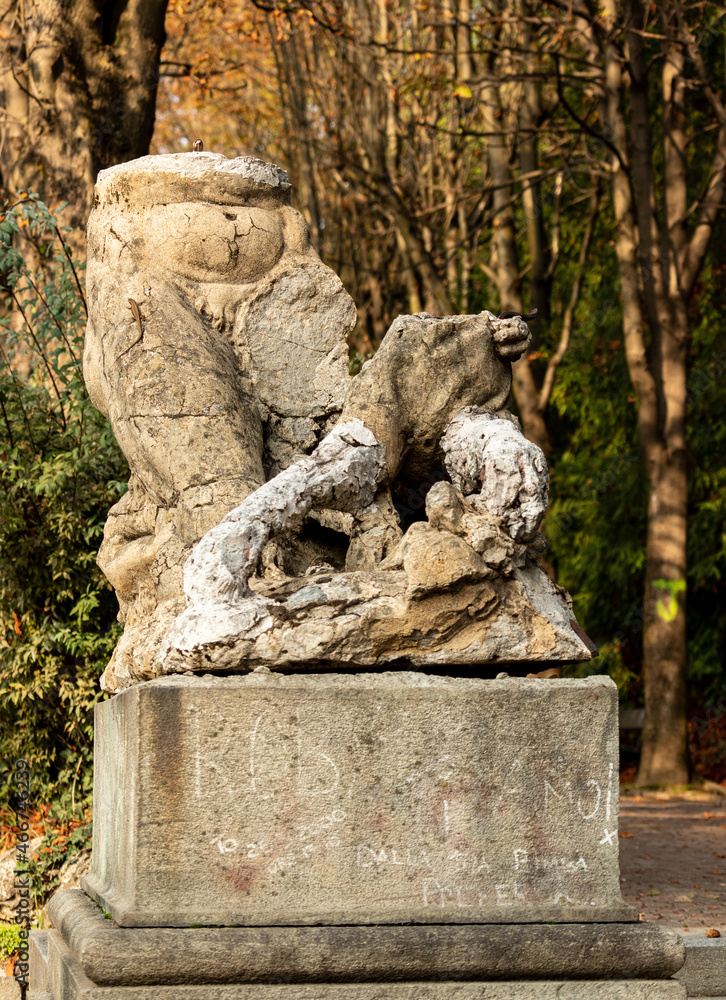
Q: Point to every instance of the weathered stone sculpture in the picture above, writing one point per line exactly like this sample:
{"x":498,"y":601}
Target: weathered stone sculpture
{"x":315,"y":829}
{"x":217,"y":347}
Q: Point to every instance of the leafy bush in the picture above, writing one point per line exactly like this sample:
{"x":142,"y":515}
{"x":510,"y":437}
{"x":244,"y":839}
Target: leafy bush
{"x":9,"y":940}
{"x":64,"y":844}
{"x":60,"y":471}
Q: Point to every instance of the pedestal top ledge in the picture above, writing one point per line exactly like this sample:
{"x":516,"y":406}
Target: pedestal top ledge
{"x":334,"y":799}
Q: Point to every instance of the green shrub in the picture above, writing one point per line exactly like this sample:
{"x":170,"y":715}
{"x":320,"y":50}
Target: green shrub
{"x":9,"y":940}
{"x":61,"y":846}
{"x":60,"y":471}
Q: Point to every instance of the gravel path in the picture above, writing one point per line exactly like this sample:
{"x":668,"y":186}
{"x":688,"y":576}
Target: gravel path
{"x":673,"y":859}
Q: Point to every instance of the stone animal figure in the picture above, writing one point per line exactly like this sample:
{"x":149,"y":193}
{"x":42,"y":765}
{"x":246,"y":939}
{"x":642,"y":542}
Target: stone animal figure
{"x":427,"y":378}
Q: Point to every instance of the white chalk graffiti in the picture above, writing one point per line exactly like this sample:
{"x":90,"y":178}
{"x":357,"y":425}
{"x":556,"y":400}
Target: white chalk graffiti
{"x":471,"y":862}
{"x":369,"y":857}
{"x":281,"y":767}
{"x":512,"y":812}
{"x":315,"y":840}
{"x":226,"y":846}
{"x":443,"y":895}
{"x":524,"y":861}
{"x":591,"y":815}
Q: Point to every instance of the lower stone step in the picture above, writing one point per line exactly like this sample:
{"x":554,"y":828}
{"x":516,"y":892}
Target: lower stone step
{"x":704,"y":974}
{"x":68,"y":982}
{"x":113,"y":955}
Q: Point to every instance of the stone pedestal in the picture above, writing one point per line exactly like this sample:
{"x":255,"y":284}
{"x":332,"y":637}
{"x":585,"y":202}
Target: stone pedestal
{"x":357,"y":799}
{"x":352,"y":837}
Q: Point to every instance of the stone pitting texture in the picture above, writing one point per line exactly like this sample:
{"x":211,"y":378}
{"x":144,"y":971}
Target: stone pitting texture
{"x":69,"y":982}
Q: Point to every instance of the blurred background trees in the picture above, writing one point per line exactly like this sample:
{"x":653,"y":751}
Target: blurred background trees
{"x":454,"y":155}
{"x":79,"y":86}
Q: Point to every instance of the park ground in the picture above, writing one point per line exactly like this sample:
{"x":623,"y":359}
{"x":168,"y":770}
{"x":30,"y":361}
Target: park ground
{"x":673,"y":858}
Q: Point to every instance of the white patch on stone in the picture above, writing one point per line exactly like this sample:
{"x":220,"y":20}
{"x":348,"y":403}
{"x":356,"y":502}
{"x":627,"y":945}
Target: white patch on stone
{"x":198,"y":164}
{"x":343,"y":472}
{"x":490,"y":454}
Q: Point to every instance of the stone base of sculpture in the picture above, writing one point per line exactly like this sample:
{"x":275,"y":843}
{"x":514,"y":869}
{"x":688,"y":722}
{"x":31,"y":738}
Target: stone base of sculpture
{"x":388,"y":835}
{"x":483,"y":962}
{"x":391,"y":797}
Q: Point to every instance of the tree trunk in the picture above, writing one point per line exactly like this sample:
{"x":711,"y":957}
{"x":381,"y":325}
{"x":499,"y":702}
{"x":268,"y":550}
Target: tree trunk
{"x":530,"y":117}
{"x":297,"y":100}
{"x":642,"y":295}
{"x":665,"y":751}
{"x":78,"y":81}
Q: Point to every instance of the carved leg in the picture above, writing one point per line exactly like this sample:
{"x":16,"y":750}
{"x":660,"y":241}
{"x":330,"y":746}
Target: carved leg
{"x":344,"y":472}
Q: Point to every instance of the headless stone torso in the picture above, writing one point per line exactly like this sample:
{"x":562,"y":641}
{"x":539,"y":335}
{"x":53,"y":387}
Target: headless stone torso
{"x":216,"y":345}
{"x":206,"y":275}
{"x":209,"y":250}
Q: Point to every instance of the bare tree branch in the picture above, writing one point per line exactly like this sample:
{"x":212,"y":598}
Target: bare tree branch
{"x":566,"y":332}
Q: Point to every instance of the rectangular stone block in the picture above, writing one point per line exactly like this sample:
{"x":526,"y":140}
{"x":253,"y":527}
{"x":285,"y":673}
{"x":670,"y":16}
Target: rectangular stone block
{"x":704,"y":973}
{"x":357,"y":799}
{"x":38,"y":960}
{"x":68,"y":982}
